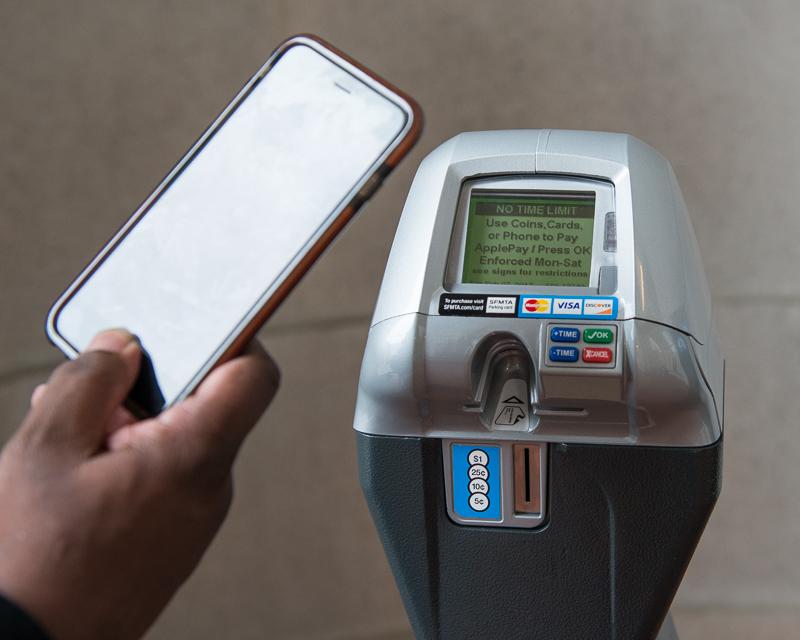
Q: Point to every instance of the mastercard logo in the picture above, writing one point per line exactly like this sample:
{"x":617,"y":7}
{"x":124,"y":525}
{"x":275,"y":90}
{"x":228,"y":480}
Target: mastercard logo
{"x":537,"y":305}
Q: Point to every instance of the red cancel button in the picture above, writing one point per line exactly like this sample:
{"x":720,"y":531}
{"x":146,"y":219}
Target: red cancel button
{"x":597,"y":354}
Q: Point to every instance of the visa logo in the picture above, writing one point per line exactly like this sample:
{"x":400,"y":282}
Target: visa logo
{"x":568,"y":306}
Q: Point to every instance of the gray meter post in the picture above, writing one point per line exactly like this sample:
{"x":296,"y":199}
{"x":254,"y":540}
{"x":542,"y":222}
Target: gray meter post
{"x":539,"y":415}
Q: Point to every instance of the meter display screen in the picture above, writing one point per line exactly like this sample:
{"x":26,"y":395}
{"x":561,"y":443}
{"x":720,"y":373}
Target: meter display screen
{"x":534,"y":238}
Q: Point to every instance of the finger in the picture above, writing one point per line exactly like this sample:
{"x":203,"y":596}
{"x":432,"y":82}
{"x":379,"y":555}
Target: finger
{"x":206,"y":429}
{"x":72,"y":413}
{"x":230,"y":400}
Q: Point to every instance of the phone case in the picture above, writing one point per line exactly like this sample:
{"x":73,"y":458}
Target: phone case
{"x":372,"y":184}
{"x":368,"y":187}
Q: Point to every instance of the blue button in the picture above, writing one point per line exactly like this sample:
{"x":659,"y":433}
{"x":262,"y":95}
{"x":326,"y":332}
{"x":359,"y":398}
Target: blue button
{"x":563,"y":354}
{"x":564,"y":334}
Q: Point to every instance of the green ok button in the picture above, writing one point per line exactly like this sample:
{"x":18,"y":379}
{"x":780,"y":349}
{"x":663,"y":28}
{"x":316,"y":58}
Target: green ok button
{"x":597,"y":335}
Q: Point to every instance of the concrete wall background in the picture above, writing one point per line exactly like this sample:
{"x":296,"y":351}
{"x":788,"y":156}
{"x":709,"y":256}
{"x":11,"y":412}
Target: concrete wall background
{"x":98,"y":99}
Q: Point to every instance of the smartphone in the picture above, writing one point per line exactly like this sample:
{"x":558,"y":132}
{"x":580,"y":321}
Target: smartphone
{"x":232,"y":228}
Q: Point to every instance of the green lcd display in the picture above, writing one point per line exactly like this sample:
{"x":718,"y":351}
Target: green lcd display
{"x":533,"y":238}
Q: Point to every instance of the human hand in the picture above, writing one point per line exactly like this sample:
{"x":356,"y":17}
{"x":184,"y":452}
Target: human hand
{"x":102,"y":516}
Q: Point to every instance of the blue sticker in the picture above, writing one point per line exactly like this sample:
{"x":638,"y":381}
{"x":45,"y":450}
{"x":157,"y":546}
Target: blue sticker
{"x":476,"y":481}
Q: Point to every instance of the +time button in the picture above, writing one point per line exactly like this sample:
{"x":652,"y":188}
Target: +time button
{"x":565,"y":334}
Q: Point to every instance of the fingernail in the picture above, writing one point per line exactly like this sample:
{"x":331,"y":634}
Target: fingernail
{"x":119,"y":439}
{"x":37,"y":394}
{"x":112,"y":340}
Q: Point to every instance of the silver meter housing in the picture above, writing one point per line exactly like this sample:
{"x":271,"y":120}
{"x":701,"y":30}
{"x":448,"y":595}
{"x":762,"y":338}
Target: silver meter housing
{"x":441,"y":350}
{"x":539,"y":414}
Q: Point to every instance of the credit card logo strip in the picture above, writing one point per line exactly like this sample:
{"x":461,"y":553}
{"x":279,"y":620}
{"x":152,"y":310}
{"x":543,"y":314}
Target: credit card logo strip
{"x":527,"y":306}
{"x":575,"y":308}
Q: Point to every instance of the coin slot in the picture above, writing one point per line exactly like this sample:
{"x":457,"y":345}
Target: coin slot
{"x":527,"y":453}
{"x":527,"y":474}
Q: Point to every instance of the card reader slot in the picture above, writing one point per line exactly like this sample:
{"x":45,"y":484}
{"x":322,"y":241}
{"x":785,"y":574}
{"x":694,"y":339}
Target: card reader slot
{"x":572,"y":412}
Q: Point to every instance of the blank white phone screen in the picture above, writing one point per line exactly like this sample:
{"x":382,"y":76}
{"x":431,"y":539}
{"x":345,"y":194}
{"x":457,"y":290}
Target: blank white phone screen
{"x":237,"y":217}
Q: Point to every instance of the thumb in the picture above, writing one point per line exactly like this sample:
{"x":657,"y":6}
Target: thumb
{"x":204,"y":432}
{"x":72,"y":413}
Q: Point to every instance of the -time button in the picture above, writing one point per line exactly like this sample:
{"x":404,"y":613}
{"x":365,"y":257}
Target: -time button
{"x":563,"y":354}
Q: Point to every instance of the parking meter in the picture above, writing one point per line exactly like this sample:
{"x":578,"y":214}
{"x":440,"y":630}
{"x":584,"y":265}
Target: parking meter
{"x":539,"y":415}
